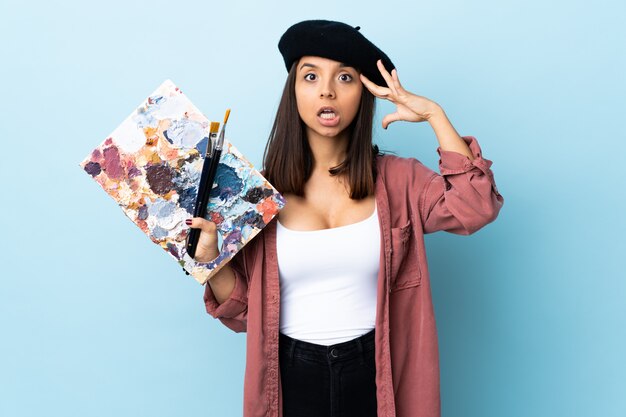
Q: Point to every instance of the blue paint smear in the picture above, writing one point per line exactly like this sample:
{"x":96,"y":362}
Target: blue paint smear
{"x":145,"y":118}
{"x":167,"y":137}
{"x":201,"y":146}
{"x":187,"y":198}
{"x":157,"y":100}
{"x":186,"y":185}
{"x":184,"y":133}
{"x":143,"y":213}
{"x":228,"y":185}
{"x":159,"y":233}
{"x":161,"y":208}
{"x":250,"y":218}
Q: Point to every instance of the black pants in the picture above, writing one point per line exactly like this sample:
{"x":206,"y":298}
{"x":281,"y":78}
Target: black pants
{"x":328,"y":381}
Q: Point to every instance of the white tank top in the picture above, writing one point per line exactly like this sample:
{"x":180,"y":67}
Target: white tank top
{"x":328,"y":281}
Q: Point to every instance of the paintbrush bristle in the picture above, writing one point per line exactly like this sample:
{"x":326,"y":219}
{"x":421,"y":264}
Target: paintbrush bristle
{"x":226,"y":117}
{"x":215,"y":126}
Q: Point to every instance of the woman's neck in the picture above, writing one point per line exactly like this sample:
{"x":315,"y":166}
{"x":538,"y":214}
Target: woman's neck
{"x":328,"y":152}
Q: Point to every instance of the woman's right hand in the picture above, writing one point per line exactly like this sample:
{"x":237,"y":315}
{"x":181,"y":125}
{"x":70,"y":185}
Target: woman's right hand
{"x":222,"y":283}
{"x":207,"y":249}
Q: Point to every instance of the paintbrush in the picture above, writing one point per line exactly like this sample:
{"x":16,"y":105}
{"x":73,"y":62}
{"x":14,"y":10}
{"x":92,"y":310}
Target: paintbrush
{"x":207,"y":178}
{"x":204,"y":189}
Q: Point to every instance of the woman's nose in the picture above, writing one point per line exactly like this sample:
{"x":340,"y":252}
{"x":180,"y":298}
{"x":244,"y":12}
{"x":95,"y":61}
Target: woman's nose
{"x":327,"y":90}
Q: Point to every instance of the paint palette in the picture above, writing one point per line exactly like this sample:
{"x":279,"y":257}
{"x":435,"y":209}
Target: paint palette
{"x":151,"y":166}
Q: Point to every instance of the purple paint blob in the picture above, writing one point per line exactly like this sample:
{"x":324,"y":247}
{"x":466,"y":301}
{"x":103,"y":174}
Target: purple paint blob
{"x":172,"y":249}
{"x":256,"y":194}
{"x":93,"y":168}
{"x":233,"y":237}
{"x":112,"y":165}
{"x":160,"y":177}
{"x":134,"y":172}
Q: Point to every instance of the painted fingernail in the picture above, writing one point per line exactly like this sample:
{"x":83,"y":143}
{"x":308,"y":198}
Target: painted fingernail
{"x":188,"y":222}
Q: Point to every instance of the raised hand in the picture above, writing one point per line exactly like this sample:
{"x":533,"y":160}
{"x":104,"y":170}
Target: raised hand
{"x":409,"y":107}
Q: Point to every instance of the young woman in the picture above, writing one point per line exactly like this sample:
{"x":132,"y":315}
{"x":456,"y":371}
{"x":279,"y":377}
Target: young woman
{"x":334,"y":293}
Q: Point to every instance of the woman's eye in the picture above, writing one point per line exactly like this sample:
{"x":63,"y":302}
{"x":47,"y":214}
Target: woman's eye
{"x":345,"y":77}
{"x":308,"y":77}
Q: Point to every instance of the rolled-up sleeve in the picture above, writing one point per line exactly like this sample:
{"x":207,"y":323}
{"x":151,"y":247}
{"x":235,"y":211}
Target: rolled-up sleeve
{"x":233,"y":312}
{"x":463,"y":197}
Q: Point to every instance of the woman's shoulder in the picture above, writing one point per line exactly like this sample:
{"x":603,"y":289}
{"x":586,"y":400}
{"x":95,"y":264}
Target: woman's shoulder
{"x":390,"y":165}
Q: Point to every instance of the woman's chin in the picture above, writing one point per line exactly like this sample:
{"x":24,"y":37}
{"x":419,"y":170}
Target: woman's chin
{"x":325,"y":131}
{"x":331,"y":132}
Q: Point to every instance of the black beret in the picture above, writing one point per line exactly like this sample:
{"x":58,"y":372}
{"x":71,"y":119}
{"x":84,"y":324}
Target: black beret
{"x":334,"y":40}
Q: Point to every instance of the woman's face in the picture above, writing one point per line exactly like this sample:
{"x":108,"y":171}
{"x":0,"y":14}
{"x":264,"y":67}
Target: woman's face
{"x":328,"y":94}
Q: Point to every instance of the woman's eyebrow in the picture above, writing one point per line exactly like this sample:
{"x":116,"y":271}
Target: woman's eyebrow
{"x":341,"y":65}
{"x":308,"y":65}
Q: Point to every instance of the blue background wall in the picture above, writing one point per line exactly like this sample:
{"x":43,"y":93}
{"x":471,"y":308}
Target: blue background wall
{"x":96,"y":321}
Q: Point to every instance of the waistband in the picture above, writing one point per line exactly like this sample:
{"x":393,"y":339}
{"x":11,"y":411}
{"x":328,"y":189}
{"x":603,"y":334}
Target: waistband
{"x":356,"y":346}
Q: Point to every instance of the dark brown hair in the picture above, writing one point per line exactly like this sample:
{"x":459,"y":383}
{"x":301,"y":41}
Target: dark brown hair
{"x":288,"y":159}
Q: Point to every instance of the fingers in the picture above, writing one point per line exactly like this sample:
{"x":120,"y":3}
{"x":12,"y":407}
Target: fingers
{"x":378,"y":91}
{"x":394,"y":89}
{"x":207,"y":248}
{"x":396,"y":80}
{"x":392,"y":81}
{"x":385,"y":73}
{"x":202,"y":224}
{"x":390,"y":118}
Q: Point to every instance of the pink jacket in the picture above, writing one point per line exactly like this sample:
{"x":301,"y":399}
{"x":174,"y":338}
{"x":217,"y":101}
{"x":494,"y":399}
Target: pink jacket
{"x":412,"y":200}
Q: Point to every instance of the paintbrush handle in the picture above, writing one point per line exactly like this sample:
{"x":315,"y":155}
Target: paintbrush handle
{"x":217,"y":154}
{"x":192,"y":241}
{"x":204,"y":190}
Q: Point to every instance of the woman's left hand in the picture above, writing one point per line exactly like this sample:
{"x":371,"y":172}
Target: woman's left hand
{"x":409,"y":107}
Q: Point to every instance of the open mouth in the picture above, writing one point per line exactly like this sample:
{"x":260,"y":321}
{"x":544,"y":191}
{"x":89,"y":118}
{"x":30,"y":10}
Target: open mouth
{"x":328,"y":117}
{"x":327,"y":114}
